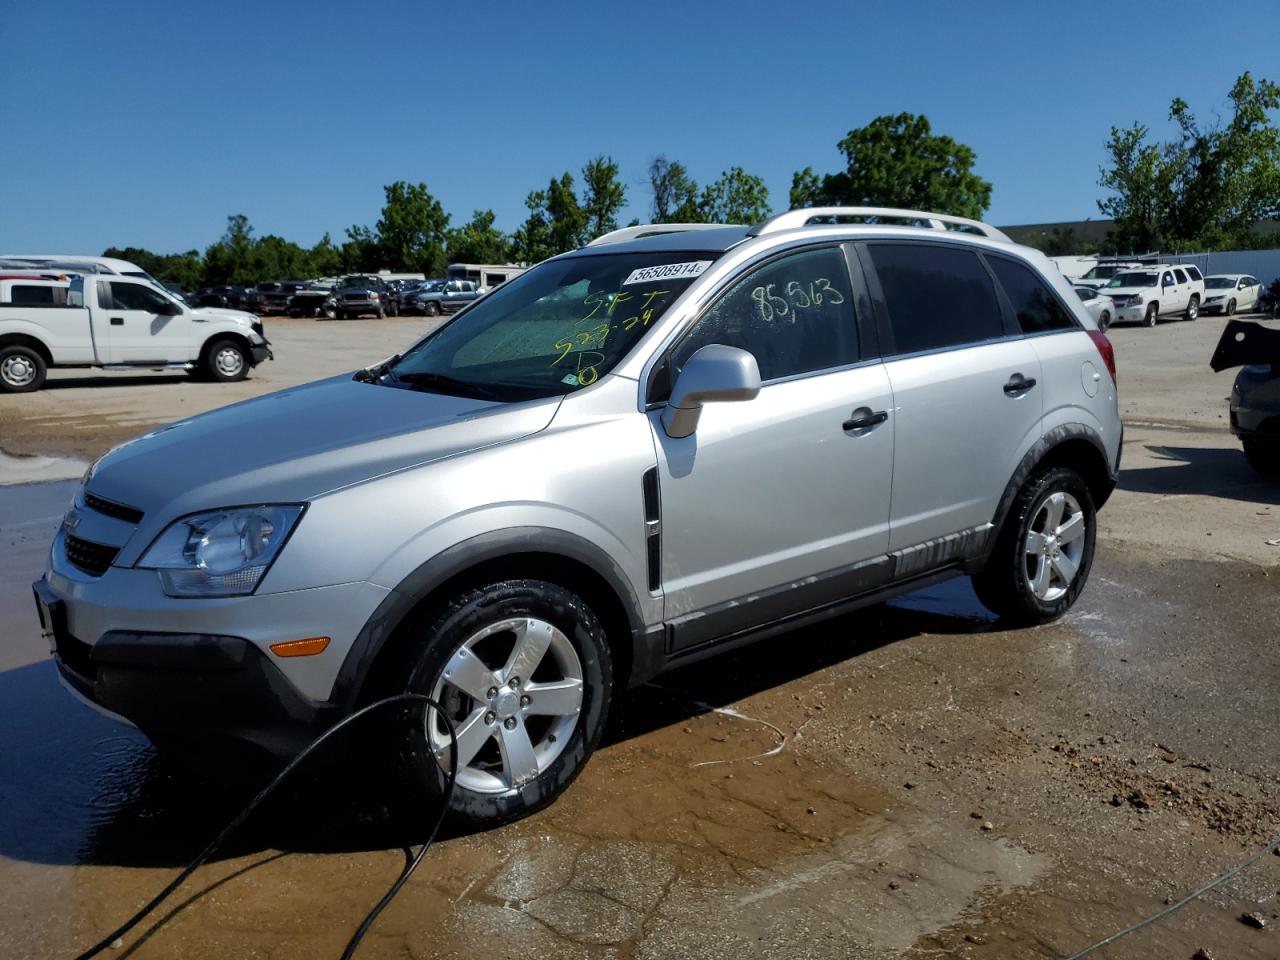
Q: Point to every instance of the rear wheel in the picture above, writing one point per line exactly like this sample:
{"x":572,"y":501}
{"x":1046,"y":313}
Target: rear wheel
{"x":1193,"y":307}
{"x":1263,"y":456}
{"x":522,"y":669}
{"x":22,"y":369}
{"x":226,"y":361}
{"x":1044,"y":551}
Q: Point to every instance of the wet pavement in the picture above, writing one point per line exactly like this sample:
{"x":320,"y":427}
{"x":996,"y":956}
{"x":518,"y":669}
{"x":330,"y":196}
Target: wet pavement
{"x":912,"y":780}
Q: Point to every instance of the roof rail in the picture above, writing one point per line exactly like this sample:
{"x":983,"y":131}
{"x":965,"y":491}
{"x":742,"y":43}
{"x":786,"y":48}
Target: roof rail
{"x":793,"y":219}
{"x":651,"y":230}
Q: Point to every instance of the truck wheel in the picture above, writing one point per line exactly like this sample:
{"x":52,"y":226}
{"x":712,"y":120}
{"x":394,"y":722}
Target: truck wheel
{"x":432,"y":309}
{"x":22,"y":369}
{"x":226,"y":361}
{"x":1193,"y":307}
{"x":382,"y":313}
{"x":522,"y":668}
{"x":1153,"y":315}
{"x":1043,"y":552}
{"x":1104,"y":321}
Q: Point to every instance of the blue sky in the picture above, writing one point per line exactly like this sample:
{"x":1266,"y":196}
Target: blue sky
{"x":147,"y":122}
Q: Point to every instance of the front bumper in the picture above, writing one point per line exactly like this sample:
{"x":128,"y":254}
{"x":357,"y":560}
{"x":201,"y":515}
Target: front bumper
{"x":190,"y":687}
{"x":258,"y":352}
{"x":1134,"y":314}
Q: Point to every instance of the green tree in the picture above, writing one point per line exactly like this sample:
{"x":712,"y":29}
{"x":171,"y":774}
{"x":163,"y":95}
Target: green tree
{"x":1208,"y":187}
{"x":478,"y":241}
{"x":532,"y":242}
{"x":412,"y":229}
{"x":326,"y":258}
{"x":806,"y":189}
{"x":605,"y":195}
{"x":1141,"y":179}
{"x":567,"y":218}
{"x":360,"y":251}
{"x":675,"y":194}
{"x":897,"y":161}
{"x":230,"y":260}
{"x":737,"y":197}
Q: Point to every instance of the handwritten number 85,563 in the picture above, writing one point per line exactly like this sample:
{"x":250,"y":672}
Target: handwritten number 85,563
{"x":798,"y":296}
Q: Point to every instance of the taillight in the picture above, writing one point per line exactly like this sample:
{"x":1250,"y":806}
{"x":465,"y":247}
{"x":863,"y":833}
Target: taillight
{"x":1106,"y":351}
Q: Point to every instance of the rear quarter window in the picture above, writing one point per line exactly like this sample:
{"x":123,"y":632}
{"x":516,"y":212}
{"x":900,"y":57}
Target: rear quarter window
{"x":32,"y":295}
{"x":1034,"y":304}
{"x":1194,"y":273}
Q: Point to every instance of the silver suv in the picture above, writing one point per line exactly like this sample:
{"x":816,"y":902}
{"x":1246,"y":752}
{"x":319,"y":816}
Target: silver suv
{"x":670,"y":442}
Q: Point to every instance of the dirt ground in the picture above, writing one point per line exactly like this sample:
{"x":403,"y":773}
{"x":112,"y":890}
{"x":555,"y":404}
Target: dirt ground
{"x":912,"y":780}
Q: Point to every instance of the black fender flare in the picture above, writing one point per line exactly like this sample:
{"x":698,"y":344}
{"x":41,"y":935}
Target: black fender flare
{"x":493,"y":545}
{"x":1042,"y":448}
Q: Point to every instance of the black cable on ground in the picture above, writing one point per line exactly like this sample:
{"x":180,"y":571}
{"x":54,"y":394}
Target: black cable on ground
{"x":266,"y":791}
{"x":1199,"y":892}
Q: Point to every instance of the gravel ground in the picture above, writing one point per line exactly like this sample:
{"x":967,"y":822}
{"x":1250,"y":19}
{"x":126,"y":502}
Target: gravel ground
{"x":943,"y":787}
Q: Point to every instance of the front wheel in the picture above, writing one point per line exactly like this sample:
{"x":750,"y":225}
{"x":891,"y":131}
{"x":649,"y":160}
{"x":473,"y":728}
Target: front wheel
{"x":1044,"y":551}
{"x":1231,"y":308}
{"x":1153,"y":314}
{"x":432,"y":309}
{"x":1104,"y":321}
{"x":522,"y":669}
{"x":226,"y":361}
{"x":1193,"y":308}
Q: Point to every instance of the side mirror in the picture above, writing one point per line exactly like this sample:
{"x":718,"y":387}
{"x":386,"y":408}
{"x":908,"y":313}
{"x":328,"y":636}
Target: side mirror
{"x":171,"y":309}
{"x":714,"y":373}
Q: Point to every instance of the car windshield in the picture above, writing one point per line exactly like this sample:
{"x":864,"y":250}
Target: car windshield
{"x":558,"y":327}
{"x":1102,"y":273}
{"x":359,"y":282}
{"x":1134,"y":279}
{"x":1220,"y":283}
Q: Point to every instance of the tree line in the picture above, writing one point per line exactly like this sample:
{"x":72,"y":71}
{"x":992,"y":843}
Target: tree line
{"x":1206,"y":188}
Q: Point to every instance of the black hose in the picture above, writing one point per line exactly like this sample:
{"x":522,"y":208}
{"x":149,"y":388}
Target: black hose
{"x":266,"y":791}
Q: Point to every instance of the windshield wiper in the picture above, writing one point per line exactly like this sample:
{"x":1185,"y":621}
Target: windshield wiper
{"x":446,"y":384}
{"x":376,"y":372}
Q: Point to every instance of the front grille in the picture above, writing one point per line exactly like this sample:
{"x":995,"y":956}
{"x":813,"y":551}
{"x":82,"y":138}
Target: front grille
{"x":76,"y":656}
{"x":355,"y":296}
{"x":112,"y":509}
{"x":92,"y":558}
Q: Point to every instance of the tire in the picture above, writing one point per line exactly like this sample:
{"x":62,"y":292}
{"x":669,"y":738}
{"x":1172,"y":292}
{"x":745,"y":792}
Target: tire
{"x":1152,"y":316}
{"x":22,"y":369}
{"x":330,"y":313}
{"x":1104,"y":321}
{"x":431,"y":309}
{"x":225,"y":361}
{"x":1193,"y":307}
{"x":1231,"y":308}
{"x":1025,"y":585}
{"x":395,"y":309}
{"x":496,"y":717}
{"x":381,"y":314}
{"x":1263,"y":456}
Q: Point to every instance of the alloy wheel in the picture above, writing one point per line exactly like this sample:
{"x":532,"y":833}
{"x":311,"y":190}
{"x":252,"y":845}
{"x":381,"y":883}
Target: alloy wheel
{"x":514,"y":692}
{"x":1055,"y":546}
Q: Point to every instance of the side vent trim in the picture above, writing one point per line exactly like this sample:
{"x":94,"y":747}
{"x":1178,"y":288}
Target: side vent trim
{"x":653,"y":528}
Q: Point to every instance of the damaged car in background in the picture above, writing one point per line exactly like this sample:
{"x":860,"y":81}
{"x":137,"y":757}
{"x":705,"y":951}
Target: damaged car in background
{"x":1255,"y":396}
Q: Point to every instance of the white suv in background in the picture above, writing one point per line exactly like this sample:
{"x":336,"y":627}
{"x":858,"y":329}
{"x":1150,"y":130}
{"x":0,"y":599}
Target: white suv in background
{"x":1149,"y":293}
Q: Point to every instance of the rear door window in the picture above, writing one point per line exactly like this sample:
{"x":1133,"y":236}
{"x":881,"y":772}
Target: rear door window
{"x":1182,"y":277}
{"x":1034,"y":304}
{"x":937,"y":297}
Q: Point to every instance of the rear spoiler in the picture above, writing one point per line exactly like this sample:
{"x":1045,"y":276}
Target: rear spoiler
{"x":1243,"y":342}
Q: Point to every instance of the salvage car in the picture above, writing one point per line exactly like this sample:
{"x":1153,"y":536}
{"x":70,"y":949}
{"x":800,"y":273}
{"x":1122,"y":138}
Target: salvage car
{"x":118,"y":323}
{"x":1147,"y":294}
{"x":1228,"y":292}
{"x":448,"y":297}
{"x":362,"y":293}
{"x":667,"y":443}
{"x":1100,"y":306}
{"x":1254,"y":405}
{"x":317,"y":300}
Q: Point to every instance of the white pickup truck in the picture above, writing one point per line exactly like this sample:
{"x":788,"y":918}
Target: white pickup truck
{"x":117,"y":323}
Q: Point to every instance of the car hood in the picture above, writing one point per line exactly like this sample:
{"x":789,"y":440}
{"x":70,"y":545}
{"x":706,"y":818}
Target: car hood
{"x":222,"y":313}
{"x":297,"y":444}
{"x":1122,"y":291}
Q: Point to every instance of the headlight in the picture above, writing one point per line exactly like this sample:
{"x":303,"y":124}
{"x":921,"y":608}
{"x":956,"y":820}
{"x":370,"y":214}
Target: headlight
{"x":1213,"y":300}
{"x":221,"y":553}
{"x":373,"y":296}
